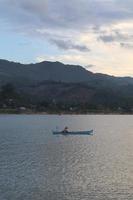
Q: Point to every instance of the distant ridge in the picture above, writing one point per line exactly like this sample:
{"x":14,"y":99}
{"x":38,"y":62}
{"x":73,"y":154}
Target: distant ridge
{"x":52,"y":71}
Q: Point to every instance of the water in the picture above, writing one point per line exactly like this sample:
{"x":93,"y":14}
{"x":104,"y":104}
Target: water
{"x":36,"y":165}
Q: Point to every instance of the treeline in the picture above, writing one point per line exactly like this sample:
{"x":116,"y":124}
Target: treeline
{"x":12,"y":100}
{"x":104,"y":101}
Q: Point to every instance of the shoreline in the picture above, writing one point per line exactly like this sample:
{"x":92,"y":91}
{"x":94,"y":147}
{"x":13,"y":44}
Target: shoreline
{"x":29,"y":111}
{"x":64,"y":113}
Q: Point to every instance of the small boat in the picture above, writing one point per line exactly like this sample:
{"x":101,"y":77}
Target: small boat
{"x":90,"y":132}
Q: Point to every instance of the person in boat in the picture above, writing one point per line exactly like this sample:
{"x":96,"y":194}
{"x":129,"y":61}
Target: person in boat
{"x":65,"y":130}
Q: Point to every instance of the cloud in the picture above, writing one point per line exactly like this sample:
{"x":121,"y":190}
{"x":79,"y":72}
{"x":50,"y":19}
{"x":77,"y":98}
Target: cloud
{"x":127,"y":45}
{"x":46,"y":17}
{"x":121,"y":34}
{"x":65,"y":14}
{"x":114,"y":36}
{"x":107,"y":38}
{"x":69,"y":45}
{"x":89,"y":66}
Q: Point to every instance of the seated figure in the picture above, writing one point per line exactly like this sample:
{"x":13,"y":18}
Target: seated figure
{"x":65,"y":130}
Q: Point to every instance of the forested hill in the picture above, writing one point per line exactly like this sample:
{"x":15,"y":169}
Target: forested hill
{"x":51,"y":71}
{"x":54,"y":71}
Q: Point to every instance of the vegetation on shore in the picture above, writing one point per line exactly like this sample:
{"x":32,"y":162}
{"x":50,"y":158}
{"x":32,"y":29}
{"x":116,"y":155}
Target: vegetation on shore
{"x":13,"y":102}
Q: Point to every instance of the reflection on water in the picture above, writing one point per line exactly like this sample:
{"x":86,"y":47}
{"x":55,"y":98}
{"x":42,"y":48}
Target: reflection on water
{"x":36,"y":165}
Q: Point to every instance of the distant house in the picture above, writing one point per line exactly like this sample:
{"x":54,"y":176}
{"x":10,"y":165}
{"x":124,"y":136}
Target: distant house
{"x":22,"y":108}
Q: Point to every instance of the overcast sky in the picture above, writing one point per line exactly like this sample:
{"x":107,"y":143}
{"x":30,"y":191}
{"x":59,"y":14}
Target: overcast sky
{"x":97,"y":34}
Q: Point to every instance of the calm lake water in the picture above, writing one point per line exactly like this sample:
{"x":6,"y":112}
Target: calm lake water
{"x":36,"y":165}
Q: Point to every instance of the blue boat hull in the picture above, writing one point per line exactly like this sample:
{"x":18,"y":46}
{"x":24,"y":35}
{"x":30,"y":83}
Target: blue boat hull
{"x":90,"y":132}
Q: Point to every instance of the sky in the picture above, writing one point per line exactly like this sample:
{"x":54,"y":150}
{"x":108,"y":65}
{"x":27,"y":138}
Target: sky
{"x":97,"y":34}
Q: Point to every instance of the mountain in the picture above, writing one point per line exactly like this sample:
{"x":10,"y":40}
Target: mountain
{"x":51,"y":71}
{"x":69,"y":84}
{"x":54,"y":71}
